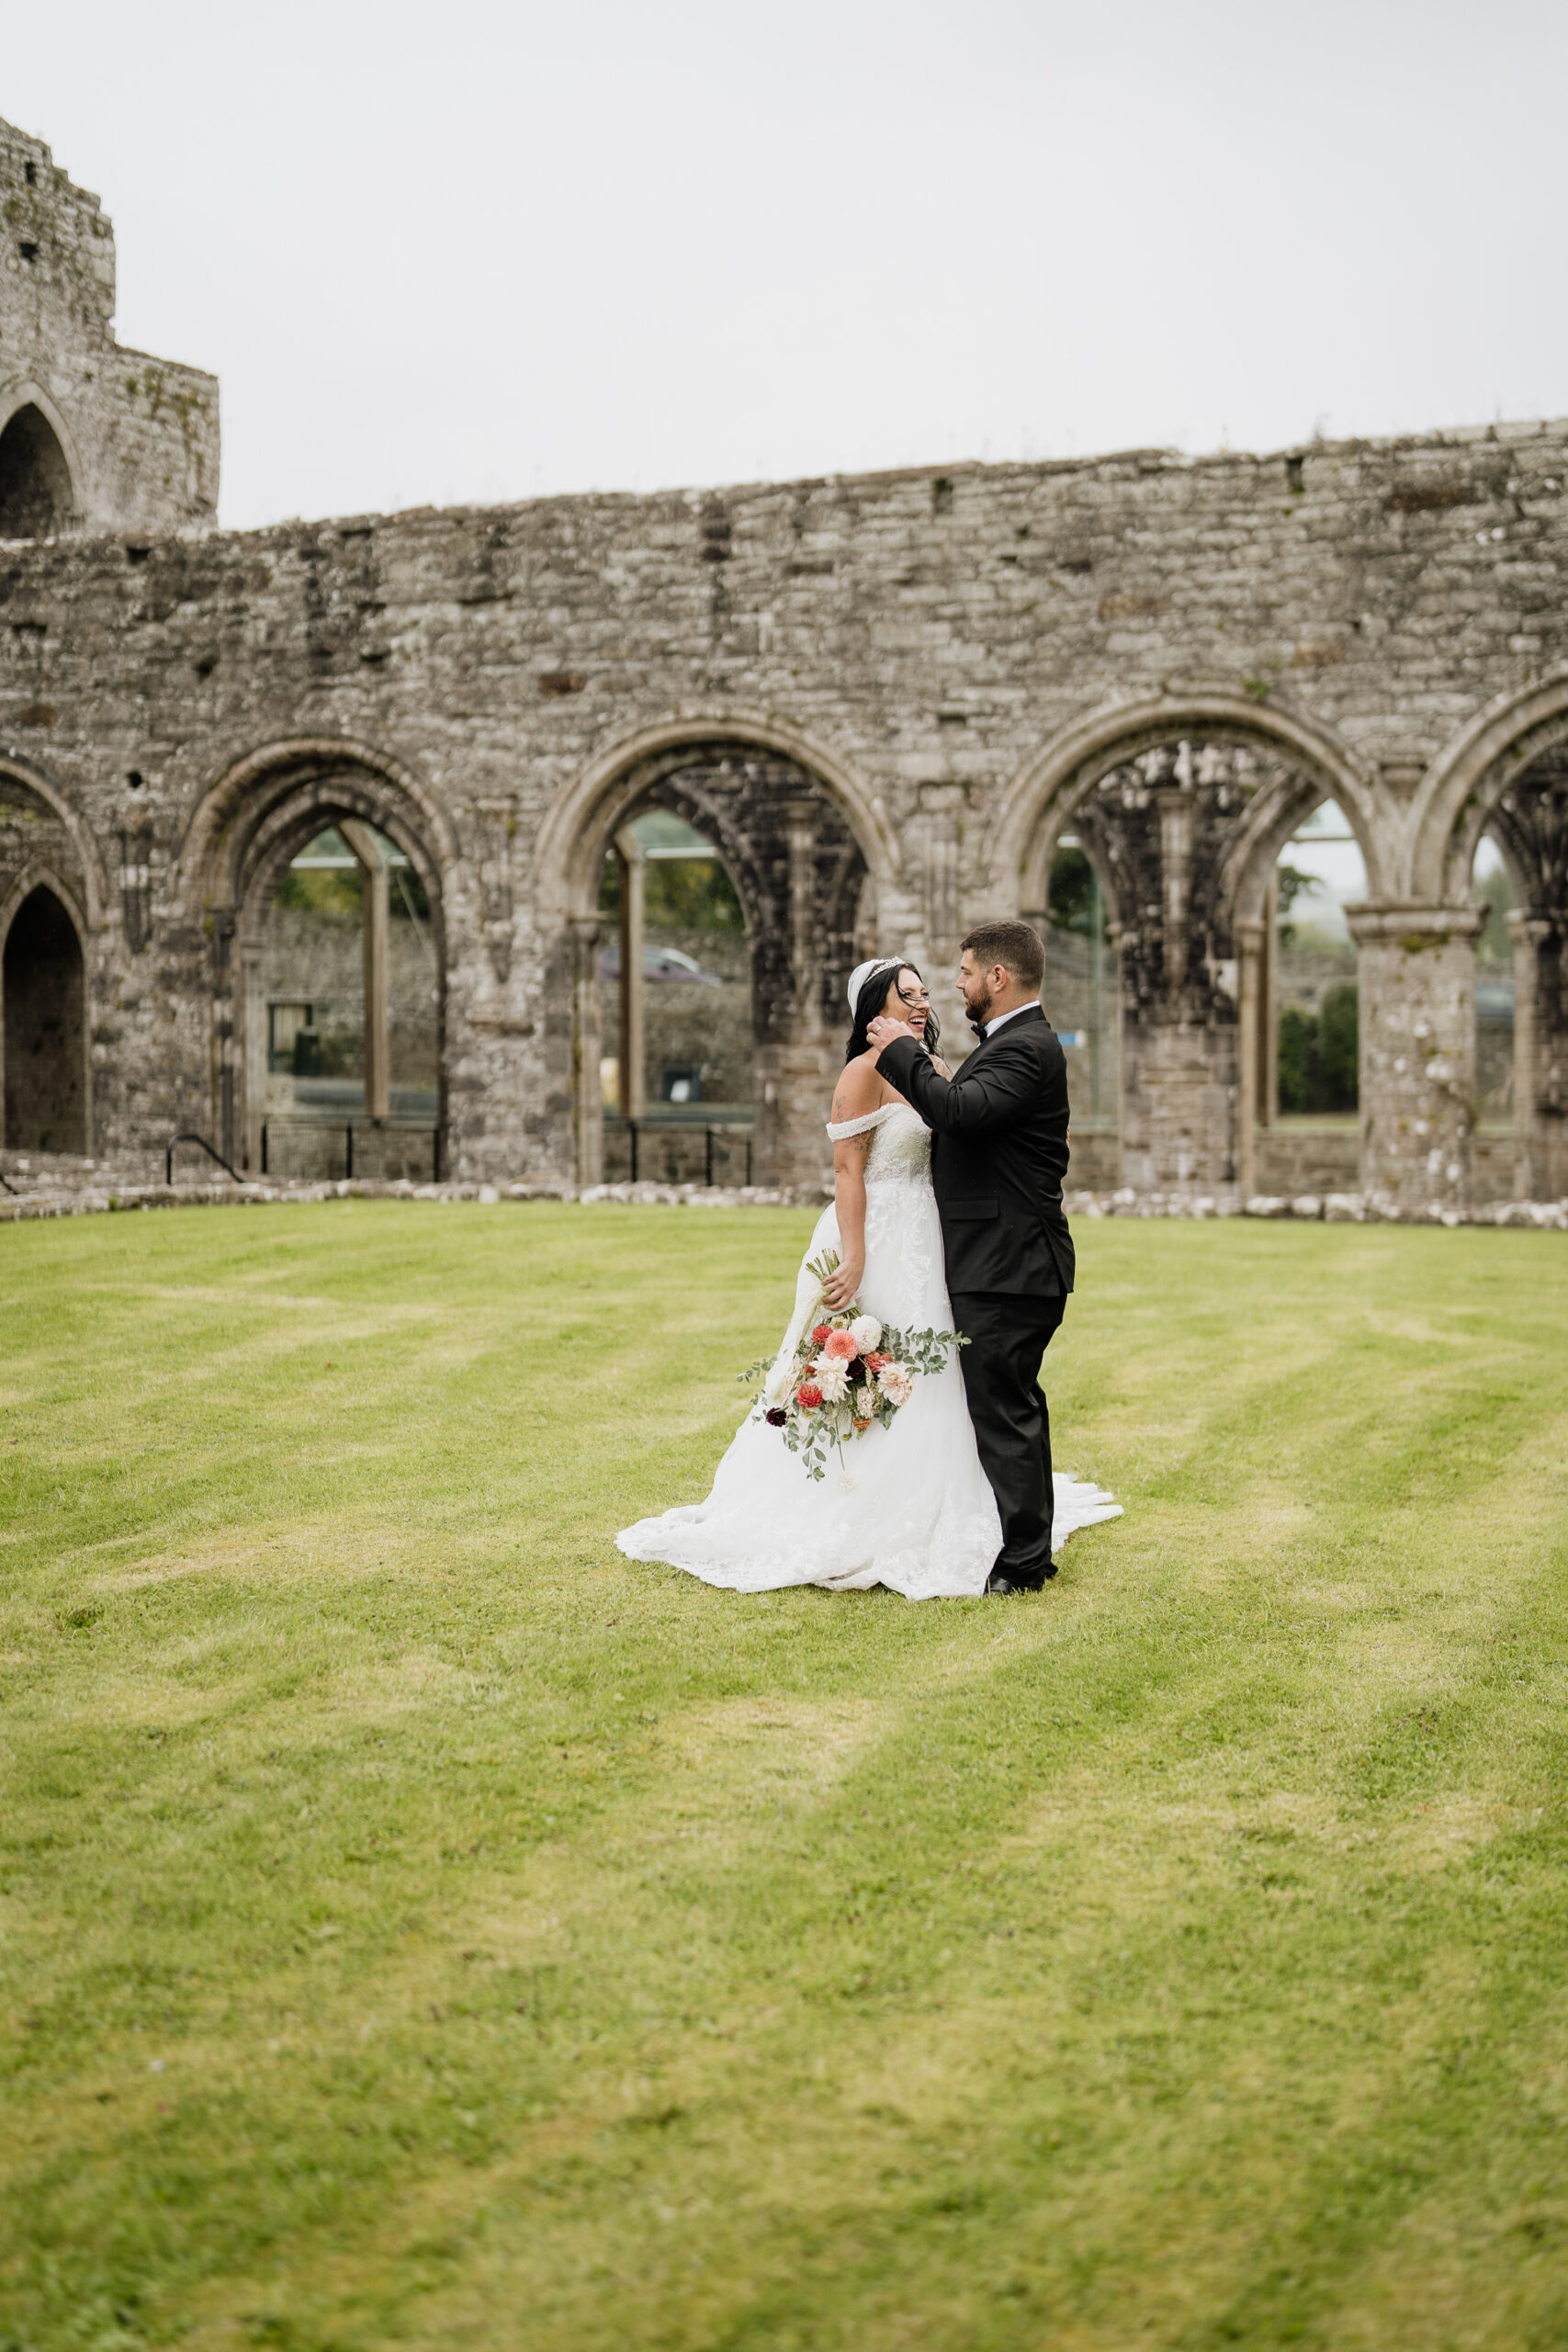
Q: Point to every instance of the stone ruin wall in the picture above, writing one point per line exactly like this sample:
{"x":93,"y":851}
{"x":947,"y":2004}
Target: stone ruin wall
{"x":885,"y":696}
{"x":933,"y":647}
{"x":141,"y":435}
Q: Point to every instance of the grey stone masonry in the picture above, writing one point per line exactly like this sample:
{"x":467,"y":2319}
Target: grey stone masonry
{"x":137,"y":438}
{"x":886,"y":699}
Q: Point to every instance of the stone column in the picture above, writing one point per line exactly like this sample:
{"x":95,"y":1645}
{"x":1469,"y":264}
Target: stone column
{"x":585,"y":1039}
{"x":633,"y":1070}
{"x":1180,"y":1082}
{"x":1269,"y":1009}
{"x":1252,"y":1057}
{"x":795,"y":1069}
{"x":251,"y":1009}
{"x":1417,"y":1050}
{"x":800,"y":819}
{"x":1552,"y":1059}
{"x":1179,"y":1070}
{"x":363,"y":842}
{"x":223,"y":929}
{"x":1530,"y":933}
{"x":1176,"y":871}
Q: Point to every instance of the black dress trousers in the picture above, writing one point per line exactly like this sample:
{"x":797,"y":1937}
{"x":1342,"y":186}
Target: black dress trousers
{"x":1008,"y":1336}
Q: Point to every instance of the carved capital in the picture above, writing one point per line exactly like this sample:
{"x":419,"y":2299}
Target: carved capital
{"x":1411,"y":924}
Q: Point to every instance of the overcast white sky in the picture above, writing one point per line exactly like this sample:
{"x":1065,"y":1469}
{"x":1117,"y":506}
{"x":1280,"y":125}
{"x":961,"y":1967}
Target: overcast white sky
{"x":481,"y":251}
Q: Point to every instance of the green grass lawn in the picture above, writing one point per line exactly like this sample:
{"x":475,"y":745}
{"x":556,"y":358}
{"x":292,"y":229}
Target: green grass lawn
{"x":421,"y":1927}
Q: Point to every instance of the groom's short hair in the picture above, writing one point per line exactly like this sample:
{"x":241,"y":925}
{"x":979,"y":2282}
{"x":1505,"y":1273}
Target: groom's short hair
{"x":1016,"y":946}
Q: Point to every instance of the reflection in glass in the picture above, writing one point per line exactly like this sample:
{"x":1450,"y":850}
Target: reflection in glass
{"x":1493,"y":888}
{"x":1312,"y":981}
{"x":314,"y":957}
{"x":676,"y":1039}
{"x":1080,"y":988}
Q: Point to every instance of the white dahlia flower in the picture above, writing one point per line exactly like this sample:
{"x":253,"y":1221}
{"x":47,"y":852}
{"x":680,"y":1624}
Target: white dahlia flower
{"x":896,"y":1384}
{"x":866,"y":1333}
{"x":831,"y":1378}
{"x":864,"y":1401}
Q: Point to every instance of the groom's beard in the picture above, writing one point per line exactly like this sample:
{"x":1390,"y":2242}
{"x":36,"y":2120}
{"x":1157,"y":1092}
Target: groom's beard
{"x":980,"y":1014}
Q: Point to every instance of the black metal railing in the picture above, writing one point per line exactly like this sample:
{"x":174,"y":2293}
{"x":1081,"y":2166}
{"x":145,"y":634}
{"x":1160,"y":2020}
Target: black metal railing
{"x":191,"y":1137}
{"x":334,"y":1142}
{"x":666,"y":1151}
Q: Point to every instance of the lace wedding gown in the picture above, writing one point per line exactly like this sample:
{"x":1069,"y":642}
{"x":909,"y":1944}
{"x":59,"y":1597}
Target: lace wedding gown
{"x":910,"y":1505}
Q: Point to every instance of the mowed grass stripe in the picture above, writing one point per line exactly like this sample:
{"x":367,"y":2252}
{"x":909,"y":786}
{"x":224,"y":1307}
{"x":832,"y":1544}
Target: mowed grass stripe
{"x":540,"y":1949}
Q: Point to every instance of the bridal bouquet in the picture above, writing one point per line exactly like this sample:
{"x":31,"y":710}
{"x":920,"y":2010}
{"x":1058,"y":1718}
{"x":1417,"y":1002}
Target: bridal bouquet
{"x":847,"y":1372}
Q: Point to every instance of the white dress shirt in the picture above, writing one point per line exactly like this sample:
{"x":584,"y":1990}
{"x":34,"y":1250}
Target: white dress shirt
{"x":1033,"y":1006}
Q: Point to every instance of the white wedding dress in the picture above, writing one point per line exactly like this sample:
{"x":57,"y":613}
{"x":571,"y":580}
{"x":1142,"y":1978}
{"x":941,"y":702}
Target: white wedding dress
{"x":910,"y":1505}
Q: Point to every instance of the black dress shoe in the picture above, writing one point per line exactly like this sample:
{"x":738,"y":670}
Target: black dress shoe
{"x":1002,"y":1586}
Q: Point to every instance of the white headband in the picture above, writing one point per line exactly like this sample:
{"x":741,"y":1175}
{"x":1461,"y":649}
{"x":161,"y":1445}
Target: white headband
{"x":862,"y":973}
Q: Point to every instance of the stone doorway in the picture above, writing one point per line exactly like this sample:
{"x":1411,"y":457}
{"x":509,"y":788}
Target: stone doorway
{"x":34,"y":479}
{"x":43,"y":985}
{"x":799,"y":880}
{"x":349,"y":815}
{"x":676,"y":1061}
{"x":344,"y":1014}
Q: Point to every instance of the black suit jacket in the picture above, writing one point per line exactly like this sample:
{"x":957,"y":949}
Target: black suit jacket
{"x":999,"y":1156}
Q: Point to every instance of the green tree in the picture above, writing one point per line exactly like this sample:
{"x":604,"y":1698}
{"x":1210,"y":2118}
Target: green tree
{"x":1292,"y":885}
{"x":1075,"y":897}
{"x":691,"y":894}
{"x":1337,"y":1061}
{"x":1318,"y":1062}
{"x":335,"y":892}
{"x":678,"y":894}
{"x":1298,"y":1053}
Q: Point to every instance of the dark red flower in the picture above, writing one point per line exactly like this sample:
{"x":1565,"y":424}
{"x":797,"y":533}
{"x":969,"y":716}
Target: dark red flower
{"x":775,"y":1417}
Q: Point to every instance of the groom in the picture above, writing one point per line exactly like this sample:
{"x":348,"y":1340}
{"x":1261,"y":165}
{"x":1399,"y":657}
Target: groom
{"x":997,"y":1160}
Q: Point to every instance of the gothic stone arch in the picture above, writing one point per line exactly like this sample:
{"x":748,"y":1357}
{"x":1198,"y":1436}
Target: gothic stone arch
{"x":40,"y":473}
{"x":46,"y":1073}
{"x":799,"y":846}
{"x":1182,"y":807}
{"x":1508,"y":772}
{"x":44,"y":845}
{"x":251,"y":822}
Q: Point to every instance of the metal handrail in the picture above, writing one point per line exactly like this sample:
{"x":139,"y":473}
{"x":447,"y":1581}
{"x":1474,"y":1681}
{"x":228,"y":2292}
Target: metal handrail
{"x":380,"y":1126}
{"x":190,"y":1137}
{"x":633,"y":1128}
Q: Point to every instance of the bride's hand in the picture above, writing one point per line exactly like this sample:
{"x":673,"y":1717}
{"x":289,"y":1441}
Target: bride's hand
{"x":841,"y":1286}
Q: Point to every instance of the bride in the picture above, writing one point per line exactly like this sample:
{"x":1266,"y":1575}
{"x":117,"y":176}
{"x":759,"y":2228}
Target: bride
{"x":909,"y":1507}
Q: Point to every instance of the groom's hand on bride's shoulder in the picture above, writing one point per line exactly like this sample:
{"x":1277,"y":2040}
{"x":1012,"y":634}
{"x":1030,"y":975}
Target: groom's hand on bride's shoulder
{"x":882,"y":1031}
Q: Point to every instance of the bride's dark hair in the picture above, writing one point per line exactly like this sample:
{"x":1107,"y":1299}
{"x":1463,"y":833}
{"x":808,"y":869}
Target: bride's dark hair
{"x":873,"y":999}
